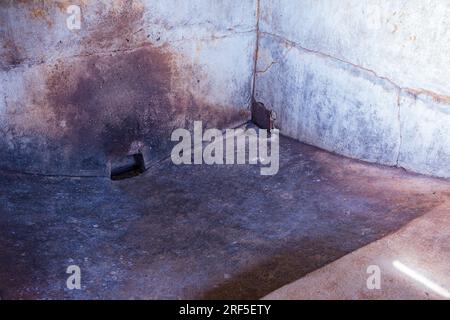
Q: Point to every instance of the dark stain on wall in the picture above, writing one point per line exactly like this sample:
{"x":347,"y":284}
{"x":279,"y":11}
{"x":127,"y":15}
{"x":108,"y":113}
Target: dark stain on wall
{"x":12,"y":55}
{"x":110,"y":101}
{"x":10,"y":52}
{"x":120,"y":27}
{"x":121,"y":95}
{"x":103,"y":104}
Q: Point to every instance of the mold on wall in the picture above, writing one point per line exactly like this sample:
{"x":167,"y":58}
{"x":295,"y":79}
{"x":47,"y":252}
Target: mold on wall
{"x":365,"y":79}
{"x":72,"y":101}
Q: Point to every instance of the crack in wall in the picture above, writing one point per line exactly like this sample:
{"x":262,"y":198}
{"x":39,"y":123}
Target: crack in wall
{"x":413,"y":91}
{"x":268,"y":67}
{"x":37,"y":62}
{"x":256,"y":55}
{"x":275,"y":62}
{"x":230,"y":32}
{"x":400,"y":90}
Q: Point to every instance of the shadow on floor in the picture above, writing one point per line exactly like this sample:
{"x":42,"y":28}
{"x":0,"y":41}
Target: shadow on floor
{"x":200,"y":232}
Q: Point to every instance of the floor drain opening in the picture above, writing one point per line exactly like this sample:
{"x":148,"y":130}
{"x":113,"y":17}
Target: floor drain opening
{"x":128,"y":167}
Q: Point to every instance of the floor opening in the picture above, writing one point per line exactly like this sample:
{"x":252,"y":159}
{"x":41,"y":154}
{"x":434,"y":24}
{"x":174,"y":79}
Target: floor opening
{"x":128,"y":167}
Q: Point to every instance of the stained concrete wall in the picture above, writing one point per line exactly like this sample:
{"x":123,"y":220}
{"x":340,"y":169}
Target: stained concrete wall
{"x":72,"y":101}
{"x":366,"y":79}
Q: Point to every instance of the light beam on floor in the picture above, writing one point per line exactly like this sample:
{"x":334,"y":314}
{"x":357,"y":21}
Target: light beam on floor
{"x":420,"y":278}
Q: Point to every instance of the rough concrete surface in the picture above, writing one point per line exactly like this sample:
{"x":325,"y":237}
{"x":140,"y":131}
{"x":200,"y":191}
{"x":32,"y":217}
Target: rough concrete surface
{"x":327,"y":103}
{"x":133,"y":73}
{"x":366,"y":79}
{"x":150,"y":69}
{"x":404,"y":41}
{"x":200,"y":231}
{"x":425,"y":141}
{"x":413,"y":264}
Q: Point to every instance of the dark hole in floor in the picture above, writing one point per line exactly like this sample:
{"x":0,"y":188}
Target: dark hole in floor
{"x":127,"y":167}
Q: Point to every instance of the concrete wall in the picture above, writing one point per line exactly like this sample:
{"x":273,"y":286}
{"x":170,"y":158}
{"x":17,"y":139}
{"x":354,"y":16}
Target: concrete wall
{"x":72,"y":101}
{"x":369,"y":79}
{"x":366,"y":79}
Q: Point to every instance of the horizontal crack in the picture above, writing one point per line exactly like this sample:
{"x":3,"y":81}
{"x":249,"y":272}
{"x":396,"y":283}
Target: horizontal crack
{"x":413,"y":91}
{"x":35,"y":62}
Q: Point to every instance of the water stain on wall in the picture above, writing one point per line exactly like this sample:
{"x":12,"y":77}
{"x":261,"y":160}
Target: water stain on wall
{"x":119,"y":94}
{"x":115,"y":26}
{"x":105,"y":103}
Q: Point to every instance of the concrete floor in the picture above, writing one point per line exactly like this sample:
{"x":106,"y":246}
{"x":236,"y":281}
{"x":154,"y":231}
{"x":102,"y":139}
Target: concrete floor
{"x":414,"y":263}
{"x":202,"y":232}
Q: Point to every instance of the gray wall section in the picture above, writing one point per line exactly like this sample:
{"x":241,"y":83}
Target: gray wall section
{"x":425,"y":137}
{"x":404,"y":41}
{"x":365,"y":79}
{"x":73,"y":101}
